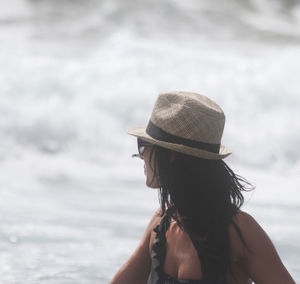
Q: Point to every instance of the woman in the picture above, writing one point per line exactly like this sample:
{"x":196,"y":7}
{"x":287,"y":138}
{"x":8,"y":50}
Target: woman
{"x":199,"y":235}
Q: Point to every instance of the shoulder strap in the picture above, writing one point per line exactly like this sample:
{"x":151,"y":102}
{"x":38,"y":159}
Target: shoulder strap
{"x":158,"y":252}
{"x":162,"y":228}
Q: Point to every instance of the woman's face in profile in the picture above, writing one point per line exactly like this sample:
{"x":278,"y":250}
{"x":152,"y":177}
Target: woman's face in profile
{"x":151,"y":181}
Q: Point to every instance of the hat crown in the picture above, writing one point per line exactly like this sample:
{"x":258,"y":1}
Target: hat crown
{"x":189,"y":115}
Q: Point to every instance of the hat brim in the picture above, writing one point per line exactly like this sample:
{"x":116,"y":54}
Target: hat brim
{"x":140,"y":132}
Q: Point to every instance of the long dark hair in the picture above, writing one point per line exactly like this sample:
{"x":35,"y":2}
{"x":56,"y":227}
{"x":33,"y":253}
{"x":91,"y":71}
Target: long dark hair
{"x":202,"y":196}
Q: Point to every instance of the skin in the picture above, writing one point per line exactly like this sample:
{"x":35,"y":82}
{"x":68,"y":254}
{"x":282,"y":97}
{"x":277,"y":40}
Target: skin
{"x":261,"y":263}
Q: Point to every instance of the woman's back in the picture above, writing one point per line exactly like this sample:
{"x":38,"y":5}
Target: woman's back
{"x":260,"y":261}
{"x":183,"y":158}
{"x":181,"y":261}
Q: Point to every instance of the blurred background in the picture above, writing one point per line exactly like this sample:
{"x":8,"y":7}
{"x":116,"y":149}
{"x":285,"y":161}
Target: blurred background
{"x":75,"y":75}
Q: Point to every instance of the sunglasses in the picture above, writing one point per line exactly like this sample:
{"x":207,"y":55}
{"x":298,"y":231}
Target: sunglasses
{"x":141,"y":144}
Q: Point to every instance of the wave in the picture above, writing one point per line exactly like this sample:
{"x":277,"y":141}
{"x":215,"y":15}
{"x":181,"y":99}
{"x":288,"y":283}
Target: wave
{"x":254,"y":20}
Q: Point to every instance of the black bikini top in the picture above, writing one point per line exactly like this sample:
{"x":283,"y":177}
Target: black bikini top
{"x":157,"y":275}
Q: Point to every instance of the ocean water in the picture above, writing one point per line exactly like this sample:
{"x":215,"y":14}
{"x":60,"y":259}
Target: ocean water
{"x":74,"y":77}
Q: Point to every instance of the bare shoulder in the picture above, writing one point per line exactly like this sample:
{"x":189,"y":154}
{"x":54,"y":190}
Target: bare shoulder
{"x":154,"y":221}
{"x":246,"y":223}
{"x":137,"y":268}
{"x":259,"y":255}
{"x":250,"y":231}
{"x":243,"y":218}
{"x":237,"y":247}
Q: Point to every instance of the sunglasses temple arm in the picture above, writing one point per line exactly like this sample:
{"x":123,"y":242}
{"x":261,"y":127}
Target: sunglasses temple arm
{"x":136,"y":155}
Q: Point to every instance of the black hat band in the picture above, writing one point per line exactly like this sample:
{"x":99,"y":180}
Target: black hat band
{"x":159,"y":134}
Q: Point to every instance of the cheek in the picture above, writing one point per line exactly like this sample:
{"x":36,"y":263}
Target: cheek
{"x":148,"y":171}
{"x":148,"y":167}
{"x":152,"y":183}
{"x":151,"y":180}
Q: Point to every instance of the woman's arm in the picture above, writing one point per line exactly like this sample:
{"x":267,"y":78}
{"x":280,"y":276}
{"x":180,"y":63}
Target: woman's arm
{"x":261,"y":261}
{"x":137,"y":268}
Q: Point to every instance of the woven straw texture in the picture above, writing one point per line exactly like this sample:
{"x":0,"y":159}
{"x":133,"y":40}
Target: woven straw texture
{"x":190,"y":116}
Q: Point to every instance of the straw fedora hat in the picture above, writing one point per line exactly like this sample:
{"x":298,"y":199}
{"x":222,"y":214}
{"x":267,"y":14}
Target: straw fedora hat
{"x":186,"y":122}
